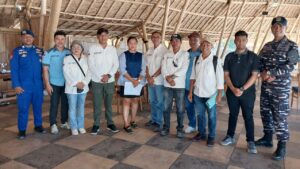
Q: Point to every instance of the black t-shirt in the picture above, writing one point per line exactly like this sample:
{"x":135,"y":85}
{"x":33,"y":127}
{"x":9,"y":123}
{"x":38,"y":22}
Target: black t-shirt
{"x":240,"y":68}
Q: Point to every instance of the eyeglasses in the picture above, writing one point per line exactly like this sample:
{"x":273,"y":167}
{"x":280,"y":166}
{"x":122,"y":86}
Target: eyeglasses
{"x":174,"y":64}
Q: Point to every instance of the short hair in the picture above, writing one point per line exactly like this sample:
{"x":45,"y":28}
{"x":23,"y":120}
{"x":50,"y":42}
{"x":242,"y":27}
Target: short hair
{"x":62,"y":33}
{"x":131,"y":37}
{"x":102,"y":30}
{"x":156,"y":32}
{"x":241,"y":33}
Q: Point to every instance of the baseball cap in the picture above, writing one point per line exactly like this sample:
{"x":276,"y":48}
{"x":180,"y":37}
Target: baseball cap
{"x":175,"y":36}
{"x":206,"y":38}
{"x":279,"y":20}
{"x":27,"y":32}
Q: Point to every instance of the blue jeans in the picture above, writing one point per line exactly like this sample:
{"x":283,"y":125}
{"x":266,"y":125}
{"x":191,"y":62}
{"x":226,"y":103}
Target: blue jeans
{"x":169,"y":94}
{"x":76,"y":110}
{"x":201,"y":108}
{"x":157,"y":102}
{"x":190,"y":110}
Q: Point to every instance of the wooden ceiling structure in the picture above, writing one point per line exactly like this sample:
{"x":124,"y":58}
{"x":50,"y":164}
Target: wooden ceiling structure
{"x":216,"y":18}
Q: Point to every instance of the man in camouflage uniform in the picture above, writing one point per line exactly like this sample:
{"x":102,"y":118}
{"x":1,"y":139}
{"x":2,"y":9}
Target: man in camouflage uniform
{"x":278,"y":59}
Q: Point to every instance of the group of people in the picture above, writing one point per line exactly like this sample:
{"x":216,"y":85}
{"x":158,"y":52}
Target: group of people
{"x":194,"y":79}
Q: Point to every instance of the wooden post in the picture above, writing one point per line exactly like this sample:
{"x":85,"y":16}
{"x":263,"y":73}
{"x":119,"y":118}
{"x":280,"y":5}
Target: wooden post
{"x":145,"y":37}
{"x":52,"y":23}
{"x":269,"y":30}
{"x":186,"y":3}
{"x":259,"y":30}
{"x":42,"y":21}
{"x":165,"y":23}
{"x":224,"y":27}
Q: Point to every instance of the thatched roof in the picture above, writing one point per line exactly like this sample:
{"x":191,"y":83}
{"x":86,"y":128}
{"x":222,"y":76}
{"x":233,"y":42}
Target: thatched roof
{"x":84,"y":17}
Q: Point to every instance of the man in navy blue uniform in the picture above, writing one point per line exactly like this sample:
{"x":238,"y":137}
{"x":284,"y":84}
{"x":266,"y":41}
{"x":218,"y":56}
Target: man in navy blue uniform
{"x":26,"y":74}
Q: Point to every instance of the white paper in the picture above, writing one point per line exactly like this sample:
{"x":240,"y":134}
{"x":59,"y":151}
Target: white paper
{"x":129,"y":89}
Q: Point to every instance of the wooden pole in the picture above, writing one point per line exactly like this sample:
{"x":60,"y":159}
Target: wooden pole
{"x":233,"y":28}
{"x":42,"y":22}
{"x":259,"y":31}
{"x":269,"y":30}
{"x":145,"y":37}
{"x":52,"y":23}
{"x":224,"y":27}
{"x":164,"y":26}
{"x":186,"y":3}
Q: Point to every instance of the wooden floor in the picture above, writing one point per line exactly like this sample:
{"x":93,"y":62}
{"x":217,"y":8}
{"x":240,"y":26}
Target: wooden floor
{"x":143,"y":149}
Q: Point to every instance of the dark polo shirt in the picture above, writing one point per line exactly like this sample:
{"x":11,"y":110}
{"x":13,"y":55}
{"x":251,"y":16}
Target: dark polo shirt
{"x":240,"y":68}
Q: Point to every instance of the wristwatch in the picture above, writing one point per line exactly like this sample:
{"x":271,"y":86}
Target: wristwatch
{"x":242,"y":89}
{"x":109,"y":76}
{"x":268,"y":73}
{"x":139,"y":80}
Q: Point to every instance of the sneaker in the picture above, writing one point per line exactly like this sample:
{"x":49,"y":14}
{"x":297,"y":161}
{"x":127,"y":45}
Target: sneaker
{"x":251,"y":147}
{"x":210,"y":142}
{"x":40,"y":129}
{"x":74,"y":132}
{"x":112,"y":128}
{"x":164,"y":132}
{"x":54,"y":129}
{"x":227,"y":141}
{"x":95,"y":130}
{"x":180,"y":134}
{"x":22,"y":135}
{"x":133,"y":124}
{"x":65,"y":126}
{"x":128,"y":130}
{"x":189,"y":129}
{"x":82,"y":131}
{"x":149,"y":123}
{"x":156,"y":127}
{"x":199,"y":137}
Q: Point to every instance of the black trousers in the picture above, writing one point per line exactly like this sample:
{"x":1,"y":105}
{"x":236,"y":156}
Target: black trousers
{"x":58,"y":95}
{"x":246,"y":103}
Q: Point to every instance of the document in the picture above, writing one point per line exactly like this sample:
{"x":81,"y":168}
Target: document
{"x":212,"y":100}
{"x":129,"y":89}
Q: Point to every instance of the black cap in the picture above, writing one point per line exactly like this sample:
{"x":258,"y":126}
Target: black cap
{"x":279,"y":20}
{"x":101,"y":30}
{"x":175,"y":36}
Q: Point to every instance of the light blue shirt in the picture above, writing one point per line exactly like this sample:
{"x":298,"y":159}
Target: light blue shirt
{"x":54,"y":60}
{"x":192,"y":57}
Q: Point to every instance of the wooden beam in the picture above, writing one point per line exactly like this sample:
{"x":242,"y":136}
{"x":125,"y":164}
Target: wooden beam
{"x":9,"y":30}
{"x":165,"y":22}
{"x":294,"y":25}
{"x":269,"y":30}
{"x":212,"y":20}
{"x":68,"y":6}
{"x":224,"y":27}
{"x":186,"y":3}
{"x":28,"y":7}
{"x":233,"y":28}
{"x":96,"y":22}
{"x":145,"y":37}
{"x":101,"y":7}
{"x":258,"y":33}
{"x":52,"y":23}
{"x":42,"y":22}
{"x":80,"y":5}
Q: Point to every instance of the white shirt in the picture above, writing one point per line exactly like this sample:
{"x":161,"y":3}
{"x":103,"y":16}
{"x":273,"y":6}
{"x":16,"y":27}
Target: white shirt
{"x":177,"y":65}
{"x":73,"y":74}
{"x":103,"y":61}
{"x":207,"y":80}
{"x":154,"y":58}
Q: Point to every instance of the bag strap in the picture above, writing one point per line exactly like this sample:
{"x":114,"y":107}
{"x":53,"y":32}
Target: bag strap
{"x":78,"y":65}
{"x":215,"y":62}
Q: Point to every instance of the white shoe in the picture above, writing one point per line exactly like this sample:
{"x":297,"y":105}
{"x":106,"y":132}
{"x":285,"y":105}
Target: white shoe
{"x":189,"y":129}
{"x":82,"y":131}
{"x":65,"y":126}
{"x":54,"y":129}
{"x":74,"y":132}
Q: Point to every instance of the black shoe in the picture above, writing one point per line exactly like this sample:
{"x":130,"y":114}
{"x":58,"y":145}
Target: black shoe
{"x":210,"y":142}
{"x":199,"y":137}
{"x":180,"y":134}
{"x":128,"y":130}
{"x":112,"y":128}
{"x":149,"y":123}
{"x":164,"y":132}
{"x":40,"y":129}
{"x":265,"y":141}
{"x":22,"y":135}
{"x":133,"y":124}
{"x":156,"y":128}
{"x":95,"y":130}
{"x":280,"y":152}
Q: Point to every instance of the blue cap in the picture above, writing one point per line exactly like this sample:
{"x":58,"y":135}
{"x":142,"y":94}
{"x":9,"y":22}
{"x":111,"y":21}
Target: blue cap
{"x":279,"y":20}
{"x":27,"y":32}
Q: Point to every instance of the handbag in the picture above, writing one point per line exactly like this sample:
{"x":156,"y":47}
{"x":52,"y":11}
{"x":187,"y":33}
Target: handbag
{"x":79,"y":90}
